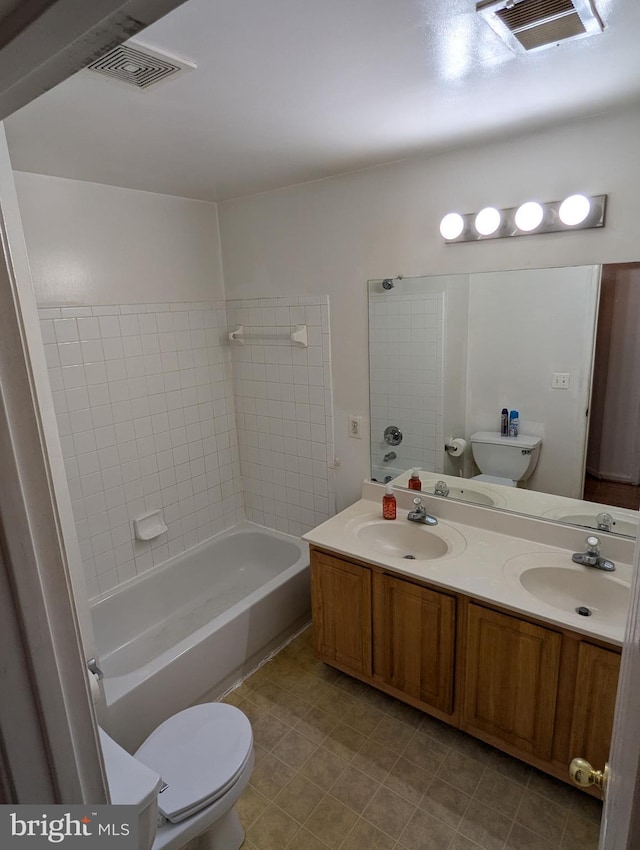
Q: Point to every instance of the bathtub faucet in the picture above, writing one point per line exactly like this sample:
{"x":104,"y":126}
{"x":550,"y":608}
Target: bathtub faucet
{"x":389,"y":456}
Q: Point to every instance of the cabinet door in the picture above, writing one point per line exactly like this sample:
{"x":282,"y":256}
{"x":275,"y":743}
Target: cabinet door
{"x":417,"y":642}
{"x":511,"y":680}
{"x":341,"y":608}
{"x":594,"y":703}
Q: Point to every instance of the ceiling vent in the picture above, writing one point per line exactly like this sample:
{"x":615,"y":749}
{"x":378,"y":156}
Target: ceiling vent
{"x":139,"y":65}
{"x":527,"y":25}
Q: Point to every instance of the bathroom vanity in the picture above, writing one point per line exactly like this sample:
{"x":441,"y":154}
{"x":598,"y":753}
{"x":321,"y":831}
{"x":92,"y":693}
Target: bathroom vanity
{"x":474,"y":634}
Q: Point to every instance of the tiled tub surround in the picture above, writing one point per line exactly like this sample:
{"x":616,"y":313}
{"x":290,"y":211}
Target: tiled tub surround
{"x":407,"y":369}
{"x":284,"y":411}
{"x":341,"y":765}
{"x":143,"y":397}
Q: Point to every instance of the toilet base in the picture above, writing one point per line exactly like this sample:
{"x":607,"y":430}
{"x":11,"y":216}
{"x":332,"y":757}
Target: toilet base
{"x":226,"y":834}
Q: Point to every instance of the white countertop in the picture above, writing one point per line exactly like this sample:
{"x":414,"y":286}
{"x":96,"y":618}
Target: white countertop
{"x":482,"y":562}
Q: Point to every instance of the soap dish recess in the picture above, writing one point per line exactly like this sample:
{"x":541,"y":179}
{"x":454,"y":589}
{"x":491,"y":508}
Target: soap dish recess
{"x":149,"y":526}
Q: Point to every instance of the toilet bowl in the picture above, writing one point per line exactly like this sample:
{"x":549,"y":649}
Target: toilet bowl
{"x":186,"y":778}
{"x":509,"y":461}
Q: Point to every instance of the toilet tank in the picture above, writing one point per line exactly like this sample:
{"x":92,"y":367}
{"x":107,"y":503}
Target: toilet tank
{"x":505,"y":457}
{"x":132,"y":783}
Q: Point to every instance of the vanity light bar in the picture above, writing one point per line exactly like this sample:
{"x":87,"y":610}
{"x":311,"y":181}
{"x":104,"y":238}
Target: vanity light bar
{"x":576,"y":212}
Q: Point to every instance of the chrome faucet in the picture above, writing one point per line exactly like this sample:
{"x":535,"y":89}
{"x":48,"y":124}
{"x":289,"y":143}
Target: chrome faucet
{"x":592,"y":557}
{"x":389,"y":456}
{"x":419,"y":513}
{"x":441,"y":489}
{"x":605,"y":522}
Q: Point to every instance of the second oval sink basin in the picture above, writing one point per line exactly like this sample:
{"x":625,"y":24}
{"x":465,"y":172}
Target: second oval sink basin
{"x":410,"y":540}
{"x":569,"y":588}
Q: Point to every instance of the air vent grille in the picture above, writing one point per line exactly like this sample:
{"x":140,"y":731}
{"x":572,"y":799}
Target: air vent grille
{"x":535,"y":24}
{"x":138,"y":65}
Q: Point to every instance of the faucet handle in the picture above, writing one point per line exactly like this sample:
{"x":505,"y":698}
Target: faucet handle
{"x":418,"y":502}
{"x":593,"y":545}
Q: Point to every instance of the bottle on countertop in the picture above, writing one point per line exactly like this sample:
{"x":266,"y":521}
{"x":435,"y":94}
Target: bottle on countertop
{"x":514,"y":423}
{"x":414,"y":481}
{"x":504,"y":422}
{"x":388,"y":503}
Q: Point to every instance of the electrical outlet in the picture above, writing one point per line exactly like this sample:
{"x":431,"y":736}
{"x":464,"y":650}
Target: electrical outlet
{"x":560,"y":381}
{"x":354,"y":426}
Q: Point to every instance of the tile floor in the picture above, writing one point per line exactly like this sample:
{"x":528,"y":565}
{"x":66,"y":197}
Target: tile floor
{"x":341,"y":765}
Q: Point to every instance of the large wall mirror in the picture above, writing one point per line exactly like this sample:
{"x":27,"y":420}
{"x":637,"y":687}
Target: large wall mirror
{"x":560,"y":345}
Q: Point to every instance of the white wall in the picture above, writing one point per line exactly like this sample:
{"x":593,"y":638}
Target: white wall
{"x":330,"y":236}
{"x":523,"y":327}
{"x":95,"y":244}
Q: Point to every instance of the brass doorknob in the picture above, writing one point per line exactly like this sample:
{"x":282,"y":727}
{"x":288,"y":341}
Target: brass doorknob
{"x":583,"y":774}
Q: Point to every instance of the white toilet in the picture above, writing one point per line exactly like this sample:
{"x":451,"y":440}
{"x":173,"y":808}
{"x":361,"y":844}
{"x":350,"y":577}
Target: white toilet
{"x":504,"y":460}
{"x":186,"y":778}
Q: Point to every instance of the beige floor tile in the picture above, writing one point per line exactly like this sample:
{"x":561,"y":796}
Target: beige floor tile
{"x":581,"y":833}
{"x":523,"y":839}
{"x":500,"y":793}
{"x":270,"y":776}
{"x":268,"y":731}
{"x":389,"y":812}
{"x":407,"y":713}
{"x":408,"y":780}
{"x":460,"y":771}
{"x":439,"y":731}
{"x":461,"y":842}
{"x":542,"y":816}
{"x":472,"y":748}
{"x":393,"y":733}
{"x":552,"y":789}
{"x":310,"y":687}
{"x":290,"y":708}
{"x":250,"y":805}
{"x":331,"y":821}
{"x":272,"y":830}
{"x":485,"y":826}
{"x":445,"y":802}
{"x":335,"y":702}
{"x":267,"y":694}
{"x":294,"y":749}
{"x":364,"y":836}
{"x":304,"y":840}
{"x":426,"y":752}
{"x":299,"y":797}
{"x":354,"y":788}
{"x":323,"y":768}
{"x":507,"y":766}
{"x":344,"y":741}
{"x":363,"y":717}
{"x":426,"y":833}
{"x":586,"y":807}
{"x":316,"y":724}
{"x":374,"y":760}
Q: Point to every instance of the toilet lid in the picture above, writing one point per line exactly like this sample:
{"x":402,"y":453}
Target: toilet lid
{"x":199,"y":753}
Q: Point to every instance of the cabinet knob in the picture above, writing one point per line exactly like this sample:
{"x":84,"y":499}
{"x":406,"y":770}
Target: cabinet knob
{"x":583,"y":774}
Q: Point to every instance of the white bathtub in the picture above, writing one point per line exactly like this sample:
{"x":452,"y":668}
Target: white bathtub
{"x":197,"y":625}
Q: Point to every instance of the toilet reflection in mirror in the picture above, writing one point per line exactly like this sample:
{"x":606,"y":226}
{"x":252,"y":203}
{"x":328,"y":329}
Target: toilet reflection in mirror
{"x":447,"y":353}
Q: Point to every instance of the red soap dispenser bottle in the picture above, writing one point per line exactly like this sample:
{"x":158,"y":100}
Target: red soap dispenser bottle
{"x":414,"y":482}
{"x":388,"y":503}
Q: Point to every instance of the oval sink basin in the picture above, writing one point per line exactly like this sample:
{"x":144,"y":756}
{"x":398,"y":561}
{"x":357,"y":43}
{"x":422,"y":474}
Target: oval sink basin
{"x":569,"y":587}
{"x":620,"y":526}
{"x":411,"y":540}
{"x":465,"y":494}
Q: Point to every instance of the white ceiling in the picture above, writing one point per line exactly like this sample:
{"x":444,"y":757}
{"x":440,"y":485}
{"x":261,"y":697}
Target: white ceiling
{"x":294,"y":90}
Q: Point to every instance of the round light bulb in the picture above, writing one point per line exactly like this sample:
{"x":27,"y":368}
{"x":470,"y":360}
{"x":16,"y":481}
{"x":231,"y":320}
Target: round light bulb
{"x":451,"y":226}
{"x":574,"y":210}
{"x":529,"y":216}
{"x":488,"y":221}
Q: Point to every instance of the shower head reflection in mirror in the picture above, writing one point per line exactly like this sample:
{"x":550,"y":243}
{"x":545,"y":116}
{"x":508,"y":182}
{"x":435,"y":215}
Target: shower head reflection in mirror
{"x":448,"y":352}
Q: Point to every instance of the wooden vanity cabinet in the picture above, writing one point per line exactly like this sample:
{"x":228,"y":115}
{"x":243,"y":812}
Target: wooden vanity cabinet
{"x":538,"y":692}
{"x":341,"y":611}
{"x":414,"y":641}
{"x":511,"y":672}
